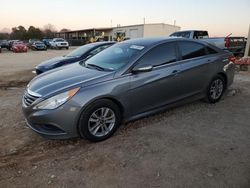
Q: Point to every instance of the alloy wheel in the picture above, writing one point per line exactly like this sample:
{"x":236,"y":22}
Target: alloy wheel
{"x":101,"y":122}
{"x":216,"y":89}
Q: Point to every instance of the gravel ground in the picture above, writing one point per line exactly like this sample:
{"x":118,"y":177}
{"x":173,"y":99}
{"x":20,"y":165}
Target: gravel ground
{"x":16,"y":68}
{"x":195,"y":145}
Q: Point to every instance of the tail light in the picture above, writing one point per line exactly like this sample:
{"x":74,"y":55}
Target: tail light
{"x":232,"y":59}
{"x":227,"y":42}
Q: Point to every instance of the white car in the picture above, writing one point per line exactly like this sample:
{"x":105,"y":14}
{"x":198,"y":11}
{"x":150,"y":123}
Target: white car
{"x":59,"y":43}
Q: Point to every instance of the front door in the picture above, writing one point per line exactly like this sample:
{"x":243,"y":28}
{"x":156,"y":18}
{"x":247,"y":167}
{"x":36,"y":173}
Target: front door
{"x":149,"y":90}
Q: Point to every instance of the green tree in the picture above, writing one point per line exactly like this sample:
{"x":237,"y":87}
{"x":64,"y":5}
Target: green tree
{"x":34,"y":33}
{"x":19,"y":33}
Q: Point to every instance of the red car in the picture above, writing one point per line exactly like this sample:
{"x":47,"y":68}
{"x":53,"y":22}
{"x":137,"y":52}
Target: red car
{"x":19,"y":47}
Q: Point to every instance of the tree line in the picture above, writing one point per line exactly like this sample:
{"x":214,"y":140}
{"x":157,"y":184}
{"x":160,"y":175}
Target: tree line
{"x":21,"y":33}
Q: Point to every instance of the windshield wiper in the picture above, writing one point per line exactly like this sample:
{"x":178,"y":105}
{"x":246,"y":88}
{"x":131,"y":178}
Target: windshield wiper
{"x":95,"y":66}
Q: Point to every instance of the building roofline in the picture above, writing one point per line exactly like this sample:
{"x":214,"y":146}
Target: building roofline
{"x":147,"y":24}
{"x":110,"y":28}
{"x":89,"y":29}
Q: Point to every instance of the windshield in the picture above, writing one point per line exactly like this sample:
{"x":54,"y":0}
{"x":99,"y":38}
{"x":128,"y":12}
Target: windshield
{"x":38,"y":42}
{"x":115,"y":56}
{"x":17,"y":43}
{"x":59,"y":40}
{"x":181,"y":34}
{"x":80,"y":51}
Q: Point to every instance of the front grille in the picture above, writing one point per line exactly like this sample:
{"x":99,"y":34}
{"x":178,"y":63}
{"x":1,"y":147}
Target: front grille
{"x":28,"y":99}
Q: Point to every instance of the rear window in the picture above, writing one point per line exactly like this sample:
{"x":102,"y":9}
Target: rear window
{"x":200,"y":35}
{"x":191,"y":50}
{"x":59,"y":40}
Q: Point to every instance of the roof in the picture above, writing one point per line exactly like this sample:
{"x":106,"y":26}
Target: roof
{"x":110,"y":28}
{"x":145,"y":24}
{"x":89,"y":29}
{"x":159,"y":40}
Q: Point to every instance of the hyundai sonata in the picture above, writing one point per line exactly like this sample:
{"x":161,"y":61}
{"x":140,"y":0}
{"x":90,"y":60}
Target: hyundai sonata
{"x":126,"y":81}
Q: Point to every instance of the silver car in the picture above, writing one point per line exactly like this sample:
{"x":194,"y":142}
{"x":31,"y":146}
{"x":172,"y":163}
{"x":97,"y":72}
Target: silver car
{"x":127,"y":81}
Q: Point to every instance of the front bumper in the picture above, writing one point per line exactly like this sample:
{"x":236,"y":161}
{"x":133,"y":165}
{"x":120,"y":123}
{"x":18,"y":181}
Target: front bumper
{"x":60,"y":123}
{"x":40,"y":48}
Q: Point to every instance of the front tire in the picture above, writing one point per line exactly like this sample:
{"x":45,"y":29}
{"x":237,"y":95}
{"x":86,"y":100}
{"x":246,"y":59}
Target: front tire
{"x":99,"y":120}
{"x":215,"y":89}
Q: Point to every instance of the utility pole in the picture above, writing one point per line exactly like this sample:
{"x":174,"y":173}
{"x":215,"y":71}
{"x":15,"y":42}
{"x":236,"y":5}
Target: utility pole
{"x":144,"y":20}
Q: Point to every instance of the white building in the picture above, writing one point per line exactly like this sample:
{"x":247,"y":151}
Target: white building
{"x":144,"y":30}
{"x":79,"y":37}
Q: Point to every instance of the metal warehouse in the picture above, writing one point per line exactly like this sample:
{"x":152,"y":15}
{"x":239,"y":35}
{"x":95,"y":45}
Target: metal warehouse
{"x":143,"y":30}
{"x":118,"y":33}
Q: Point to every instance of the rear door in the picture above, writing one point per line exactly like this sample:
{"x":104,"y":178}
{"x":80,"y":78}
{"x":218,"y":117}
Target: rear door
{"x":196,"y":67}
{"x":149,"y":90}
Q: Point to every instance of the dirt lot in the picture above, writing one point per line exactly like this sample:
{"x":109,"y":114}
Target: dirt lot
{"x":196,"y":145}
{"x":20,"y":65}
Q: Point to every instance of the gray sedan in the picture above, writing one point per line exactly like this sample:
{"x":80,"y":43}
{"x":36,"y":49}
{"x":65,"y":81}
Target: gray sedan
{"x":127,"y":81}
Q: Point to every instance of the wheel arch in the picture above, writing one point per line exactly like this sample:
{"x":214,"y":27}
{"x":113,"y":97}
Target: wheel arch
{"x":224,"y":77}
{"x":110,"y":98}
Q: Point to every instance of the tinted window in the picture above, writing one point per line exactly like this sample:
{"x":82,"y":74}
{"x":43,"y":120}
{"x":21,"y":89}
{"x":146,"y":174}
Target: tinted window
{"x":211,"y":51}
{"x":200,"y":34}
{"x":160,"y":55}
{"x":191,"y":50}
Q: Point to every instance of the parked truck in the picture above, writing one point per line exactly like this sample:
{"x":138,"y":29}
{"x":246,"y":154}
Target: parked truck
{"x":236,"y":45}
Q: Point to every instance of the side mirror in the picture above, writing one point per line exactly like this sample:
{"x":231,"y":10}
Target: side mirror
{"x":142,"y":68}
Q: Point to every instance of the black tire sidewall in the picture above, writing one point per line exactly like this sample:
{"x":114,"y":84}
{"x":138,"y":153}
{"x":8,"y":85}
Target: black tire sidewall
{"x":83,"y":122}
{"x":208,"y":97}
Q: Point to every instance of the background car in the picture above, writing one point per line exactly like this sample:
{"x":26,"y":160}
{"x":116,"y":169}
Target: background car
{"x":19,"y":47}
{"x":47,"y":42}
{"x":81,"y":53}
{"x":38,"y":45}
{"x":31,"y":41}
{"x":4,"y":43}
{"x":10,"y":43}
{"x":127,"y":81}
{"x":59,"y":43}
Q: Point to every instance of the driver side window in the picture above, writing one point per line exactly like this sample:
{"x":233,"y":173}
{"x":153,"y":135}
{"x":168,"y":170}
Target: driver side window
{"x":160,"y":55}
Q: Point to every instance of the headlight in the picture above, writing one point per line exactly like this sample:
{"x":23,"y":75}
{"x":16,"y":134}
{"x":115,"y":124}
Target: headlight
{"x":56,"y":101}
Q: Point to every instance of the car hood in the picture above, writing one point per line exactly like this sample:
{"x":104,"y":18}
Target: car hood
{"x":55,"y":60}
{"x":66,"y":77}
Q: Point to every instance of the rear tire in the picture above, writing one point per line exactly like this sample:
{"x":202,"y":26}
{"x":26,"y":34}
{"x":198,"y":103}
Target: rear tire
{"x":215,"y":89}
{"x":99,"y":120}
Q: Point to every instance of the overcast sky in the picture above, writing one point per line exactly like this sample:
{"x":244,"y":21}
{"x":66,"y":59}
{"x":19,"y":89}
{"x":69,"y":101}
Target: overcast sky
{"x":219,"y":17}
